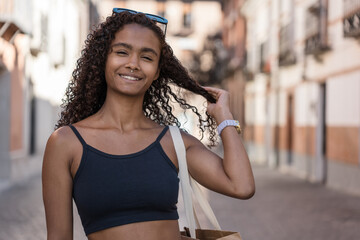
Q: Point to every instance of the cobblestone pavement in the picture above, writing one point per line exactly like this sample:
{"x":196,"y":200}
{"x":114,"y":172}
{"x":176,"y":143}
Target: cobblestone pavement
{"x":283,"y":208}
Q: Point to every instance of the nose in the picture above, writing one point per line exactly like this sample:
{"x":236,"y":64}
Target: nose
{"x":133,"y":63}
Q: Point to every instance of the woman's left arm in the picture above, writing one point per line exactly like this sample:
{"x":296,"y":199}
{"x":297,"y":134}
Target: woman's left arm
{"x":231,"y":175}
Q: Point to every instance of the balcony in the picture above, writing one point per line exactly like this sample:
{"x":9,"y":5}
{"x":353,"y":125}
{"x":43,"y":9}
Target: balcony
{"x":351,"y":19}
{"x":286,"y":49}
{"x":316,"y":29}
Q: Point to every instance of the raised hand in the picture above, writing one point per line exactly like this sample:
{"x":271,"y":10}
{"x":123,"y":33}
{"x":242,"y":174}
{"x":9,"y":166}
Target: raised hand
{"x":220,"y":110}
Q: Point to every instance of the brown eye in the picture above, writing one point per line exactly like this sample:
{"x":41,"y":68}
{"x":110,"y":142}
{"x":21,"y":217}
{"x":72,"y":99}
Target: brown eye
{"x":147,"y":58}
{"x":121,"y":53}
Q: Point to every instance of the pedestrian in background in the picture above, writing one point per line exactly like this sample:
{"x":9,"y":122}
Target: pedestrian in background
{"x":112,"y":151}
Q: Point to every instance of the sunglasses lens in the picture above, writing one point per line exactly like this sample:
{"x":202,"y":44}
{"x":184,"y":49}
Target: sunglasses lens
{"x":162,"y":26}
{"x":157,"y":18}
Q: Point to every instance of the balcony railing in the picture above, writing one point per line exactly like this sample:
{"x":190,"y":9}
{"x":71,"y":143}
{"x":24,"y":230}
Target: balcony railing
{"x":351,"y":20}
{"x":316,"y":29}
{"x":286,"y":49}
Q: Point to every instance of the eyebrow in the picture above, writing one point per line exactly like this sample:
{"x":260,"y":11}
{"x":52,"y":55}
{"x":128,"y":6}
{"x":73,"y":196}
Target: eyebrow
{"x":130,"y":47}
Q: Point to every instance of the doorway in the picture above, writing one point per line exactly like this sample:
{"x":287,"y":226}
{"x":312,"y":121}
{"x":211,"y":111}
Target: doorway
{"x":321,"y":163}
{"x":290,"y":129}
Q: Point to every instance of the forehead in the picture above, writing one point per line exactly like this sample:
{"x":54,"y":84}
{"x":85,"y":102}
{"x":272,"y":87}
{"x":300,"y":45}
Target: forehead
{"x":138,"y":36}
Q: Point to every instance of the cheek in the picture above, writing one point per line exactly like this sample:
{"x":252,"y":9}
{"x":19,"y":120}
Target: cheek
{"x":111,"y":66}
{"x":112,"y":62}
{"x":152,"y":70}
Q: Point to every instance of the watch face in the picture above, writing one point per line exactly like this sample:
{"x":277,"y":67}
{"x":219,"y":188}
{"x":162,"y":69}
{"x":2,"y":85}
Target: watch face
{"x":238,"y":128}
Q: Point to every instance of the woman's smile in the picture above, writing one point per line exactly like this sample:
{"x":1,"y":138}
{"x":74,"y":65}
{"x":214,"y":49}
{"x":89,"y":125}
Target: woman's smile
{"x":131,"y":78}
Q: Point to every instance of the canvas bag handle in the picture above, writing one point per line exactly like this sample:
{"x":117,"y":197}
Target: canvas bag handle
{"x":190,"y":187}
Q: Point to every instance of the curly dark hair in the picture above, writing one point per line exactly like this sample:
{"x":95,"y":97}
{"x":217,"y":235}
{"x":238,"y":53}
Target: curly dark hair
{"x":86,"y":91}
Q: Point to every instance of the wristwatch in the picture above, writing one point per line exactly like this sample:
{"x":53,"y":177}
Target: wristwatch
{"x":226,"y":123}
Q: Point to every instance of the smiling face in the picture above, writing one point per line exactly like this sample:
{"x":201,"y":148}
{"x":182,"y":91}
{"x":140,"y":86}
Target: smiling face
{"x":133,"y":61}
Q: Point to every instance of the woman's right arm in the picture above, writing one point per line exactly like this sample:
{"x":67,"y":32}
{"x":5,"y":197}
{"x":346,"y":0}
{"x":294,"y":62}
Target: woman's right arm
{"x":57,"y":186}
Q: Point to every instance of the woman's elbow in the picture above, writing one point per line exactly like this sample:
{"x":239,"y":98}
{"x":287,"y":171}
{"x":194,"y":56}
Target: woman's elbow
{"x":245,"y":192}
{"x":249,"y":194}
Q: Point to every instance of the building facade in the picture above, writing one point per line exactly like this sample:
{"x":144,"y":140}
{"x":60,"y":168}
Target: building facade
{"x":39,"y":45}
{"x":303,"y":88}
{"x":14,"y":30}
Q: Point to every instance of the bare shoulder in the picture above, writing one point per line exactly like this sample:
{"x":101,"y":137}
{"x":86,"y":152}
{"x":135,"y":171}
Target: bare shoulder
{"x":61,"y":137}
{"x":61,"y":143}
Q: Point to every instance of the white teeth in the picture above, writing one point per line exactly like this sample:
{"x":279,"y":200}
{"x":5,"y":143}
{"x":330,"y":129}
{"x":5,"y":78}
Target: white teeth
{"x":130,"y":78}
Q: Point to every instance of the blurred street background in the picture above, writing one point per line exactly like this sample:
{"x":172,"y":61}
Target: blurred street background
{"x":292,"y":69}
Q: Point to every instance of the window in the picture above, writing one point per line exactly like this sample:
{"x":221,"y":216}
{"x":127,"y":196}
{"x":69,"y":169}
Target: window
{"x":187,"y":15}
{"x":286,"y":48}
{"x":44,"y":33}
{"x":316,"y":28}
{"x":264,"y":57}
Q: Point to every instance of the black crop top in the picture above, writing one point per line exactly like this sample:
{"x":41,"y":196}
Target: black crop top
{"x":113,"y":190}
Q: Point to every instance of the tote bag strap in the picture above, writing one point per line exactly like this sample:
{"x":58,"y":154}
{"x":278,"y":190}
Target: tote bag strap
{"x":189,"y":185}
{"x":184,"y":178}
{"x":204,"y":203}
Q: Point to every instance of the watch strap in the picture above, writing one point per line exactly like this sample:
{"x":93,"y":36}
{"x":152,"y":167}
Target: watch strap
{"x":227,"y":123}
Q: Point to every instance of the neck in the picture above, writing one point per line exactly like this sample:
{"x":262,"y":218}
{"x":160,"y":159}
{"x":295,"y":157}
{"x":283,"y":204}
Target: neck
{"x":122,"y":112}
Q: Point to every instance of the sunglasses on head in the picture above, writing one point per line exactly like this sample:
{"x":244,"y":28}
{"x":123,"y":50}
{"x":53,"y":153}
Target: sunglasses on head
{"x":162,"y":22}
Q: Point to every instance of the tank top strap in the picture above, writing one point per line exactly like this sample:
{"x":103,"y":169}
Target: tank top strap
{"x":162,"y":133}
{"x":77,"y":134}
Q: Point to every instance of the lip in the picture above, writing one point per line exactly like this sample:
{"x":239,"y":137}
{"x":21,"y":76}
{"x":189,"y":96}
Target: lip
{"x":130,"y":77}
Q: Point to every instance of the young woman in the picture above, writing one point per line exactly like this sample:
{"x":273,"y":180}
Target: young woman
{"x":112,"y":151}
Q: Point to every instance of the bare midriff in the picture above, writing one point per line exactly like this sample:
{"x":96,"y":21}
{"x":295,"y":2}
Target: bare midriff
{"x":152,"y":230}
